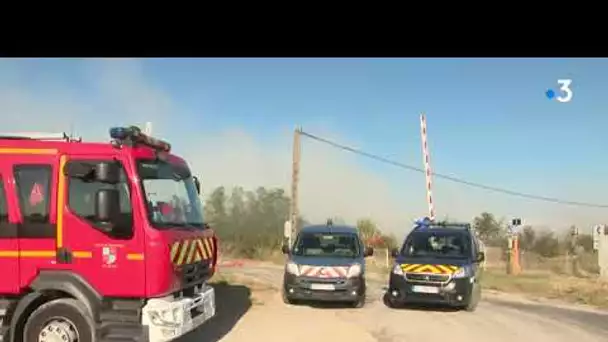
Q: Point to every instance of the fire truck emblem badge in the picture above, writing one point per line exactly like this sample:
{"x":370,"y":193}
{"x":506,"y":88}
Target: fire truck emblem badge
{"x":108,"y":255}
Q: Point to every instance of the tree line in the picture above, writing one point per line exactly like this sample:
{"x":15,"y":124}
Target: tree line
{"x":544,"y":242}
{"x":250,"y":224}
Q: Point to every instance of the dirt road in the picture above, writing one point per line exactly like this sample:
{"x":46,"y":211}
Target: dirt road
{"x":499,"y":318}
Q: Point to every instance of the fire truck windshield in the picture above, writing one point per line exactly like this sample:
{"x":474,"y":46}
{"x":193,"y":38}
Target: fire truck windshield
{"x":171,"y":196}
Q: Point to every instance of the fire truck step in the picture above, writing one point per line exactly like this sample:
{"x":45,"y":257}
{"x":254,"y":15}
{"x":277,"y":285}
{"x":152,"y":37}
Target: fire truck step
{"x":122,"y":332}
{"x":120,"y":316}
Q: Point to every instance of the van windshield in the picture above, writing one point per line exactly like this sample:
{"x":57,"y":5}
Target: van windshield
{"x":437,"y":244}
{"x":327,"y":245}
{"x":171,"y":196}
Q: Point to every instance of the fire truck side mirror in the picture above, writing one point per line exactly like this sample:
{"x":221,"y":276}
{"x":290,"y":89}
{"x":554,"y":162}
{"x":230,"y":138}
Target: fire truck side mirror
{"x":107,"y":207}
{"x":197,"y":184}
{"x":107,"y":172}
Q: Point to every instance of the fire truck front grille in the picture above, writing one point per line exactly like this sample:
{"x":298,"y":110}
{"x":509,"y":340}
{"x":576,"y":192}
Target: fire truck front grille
{"x":195,"y":273}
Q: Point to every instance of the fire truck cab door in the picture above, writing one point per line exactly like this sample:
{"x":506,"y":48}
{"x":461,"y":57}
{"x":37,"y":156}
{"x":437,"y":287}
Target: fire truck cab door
{"x":112,"y":263}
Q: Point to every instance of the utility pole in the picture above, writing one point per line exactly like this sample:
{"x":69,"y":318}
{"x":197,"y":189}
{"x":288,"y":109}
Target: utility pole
{"x":295,"y":178}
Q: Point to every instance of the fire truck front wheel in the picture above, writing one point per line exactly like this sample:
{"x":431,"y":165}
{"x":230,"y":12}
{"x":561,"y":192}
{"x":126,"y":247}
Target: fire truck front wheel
{"x":65,"y":320}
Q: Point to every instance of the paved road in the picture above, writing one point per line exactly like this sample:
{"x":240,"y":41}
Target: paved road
{"x":499,"y":318}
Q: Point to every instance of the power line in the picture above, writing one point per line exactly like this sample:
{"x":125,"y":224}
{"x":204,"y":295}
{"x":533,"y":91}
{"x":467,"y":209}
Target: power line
{"x":451,"y":178}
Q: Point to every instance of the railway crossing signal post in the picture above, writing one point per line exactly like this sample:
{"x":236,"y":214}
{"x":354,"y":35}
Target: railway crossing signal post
{"x":600,"y":244}
{"x":513,"y":264}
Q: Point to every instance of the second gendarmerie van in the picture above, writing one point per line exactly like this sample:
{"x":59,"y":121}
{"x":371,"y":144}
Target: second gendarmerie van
{"x":439,"y":263}
{"x":326,"y":263}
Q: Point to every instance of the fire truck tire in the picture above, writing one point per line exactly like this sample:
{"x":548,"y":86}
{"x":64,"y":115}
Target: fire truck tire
{"x":64,"y":319}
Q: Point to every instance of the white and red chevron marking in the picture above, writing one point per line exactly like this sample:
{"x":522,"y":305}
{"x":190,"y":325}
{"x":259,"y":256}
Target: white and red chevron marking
{"x":426,"y":157}
{"x":324,"y":271}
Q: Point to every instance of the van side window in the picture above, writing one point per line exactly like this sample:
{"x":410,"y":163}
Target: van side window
{"x":34,"y":192}
{"x":82,"y":192}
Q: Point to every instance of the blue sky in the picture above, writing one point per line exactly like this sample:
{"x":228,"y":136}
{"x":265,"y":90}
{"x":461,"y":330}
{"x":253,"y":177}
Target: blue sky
{"x":488,"y":120}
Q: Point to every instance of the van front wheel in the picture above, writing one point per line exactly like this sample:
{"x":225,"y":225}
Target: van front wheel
{"x":62,"y":319}
{"x":359,"y":303}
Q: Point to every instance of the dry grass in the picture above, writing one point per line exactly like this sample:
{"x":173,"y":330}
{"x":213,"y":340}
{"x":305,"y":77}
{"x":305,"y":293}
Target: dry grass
{"x":541,"y":278}
{"x":557,"y":277}
{"x":590,"y":291}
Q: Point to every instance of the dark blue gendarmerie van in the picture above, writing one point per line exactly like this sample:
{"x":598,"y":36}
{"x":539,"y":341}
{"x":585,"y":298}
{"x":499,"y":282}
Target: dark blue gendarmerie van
{"x":326,"y":263}
{"x":438,"y":263}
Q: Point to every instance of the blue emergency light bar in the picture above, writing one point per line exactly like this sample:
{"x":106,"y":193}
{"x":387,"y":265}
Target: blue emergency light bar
{"x":427,"y":223}
{"x":422,"y":223}
{"x":135,"y":135}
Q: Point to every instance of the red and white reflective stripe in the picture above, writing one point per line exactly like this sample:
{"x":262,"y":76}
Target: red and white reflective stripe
{"x":427,"y":167}
{"x":324,"y":271}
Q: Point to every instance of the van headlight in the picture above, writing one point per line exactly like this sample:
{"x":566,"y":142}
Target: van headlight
{"x":354,"y":271}
{"x":292,"y":268}
{"x":397,"y":269}
{"x":462,"y":272}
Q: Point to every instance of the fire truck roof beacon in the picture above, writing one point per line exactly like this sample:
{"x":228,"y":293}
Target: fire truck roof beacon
{"x":133,"y":135}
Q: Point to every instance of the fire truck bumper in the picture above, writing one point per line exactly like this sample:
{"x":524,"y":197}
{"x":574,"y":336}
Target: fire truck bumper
{"x":169,"y":318}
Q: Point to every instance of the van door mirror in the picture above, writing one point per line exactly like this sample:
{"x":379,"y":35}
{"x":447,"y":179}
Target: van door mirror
{"x":285,"y":249}
{"x":369,"y":251}
{"x":481,"y":256}
{"x":197,"y":184}
{"x":394,"y":252}
{"x":107,"y":172}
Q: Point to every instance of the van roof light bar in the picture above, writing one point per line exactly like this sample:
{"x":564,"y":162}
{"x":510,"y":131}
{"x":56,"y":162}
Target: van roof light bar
{"x":132,"y":135}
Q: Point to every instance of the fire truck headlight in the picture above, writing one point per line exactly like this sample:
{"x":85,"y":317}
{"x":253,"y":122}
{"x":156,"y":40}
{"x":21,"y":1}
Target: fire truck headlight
{"x":292,"y":268}
{"x":354,"y":271}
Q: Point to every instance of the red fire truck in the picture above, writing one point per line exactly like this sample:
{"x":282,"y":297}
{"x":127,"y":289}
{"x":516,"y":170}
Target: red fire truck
{"x":101,"y":241}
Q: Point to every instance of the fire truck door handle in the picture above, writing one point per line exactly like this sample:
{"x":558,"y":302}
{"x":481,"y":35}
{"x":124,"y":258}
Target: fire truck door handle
{"x":64,"y":256}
